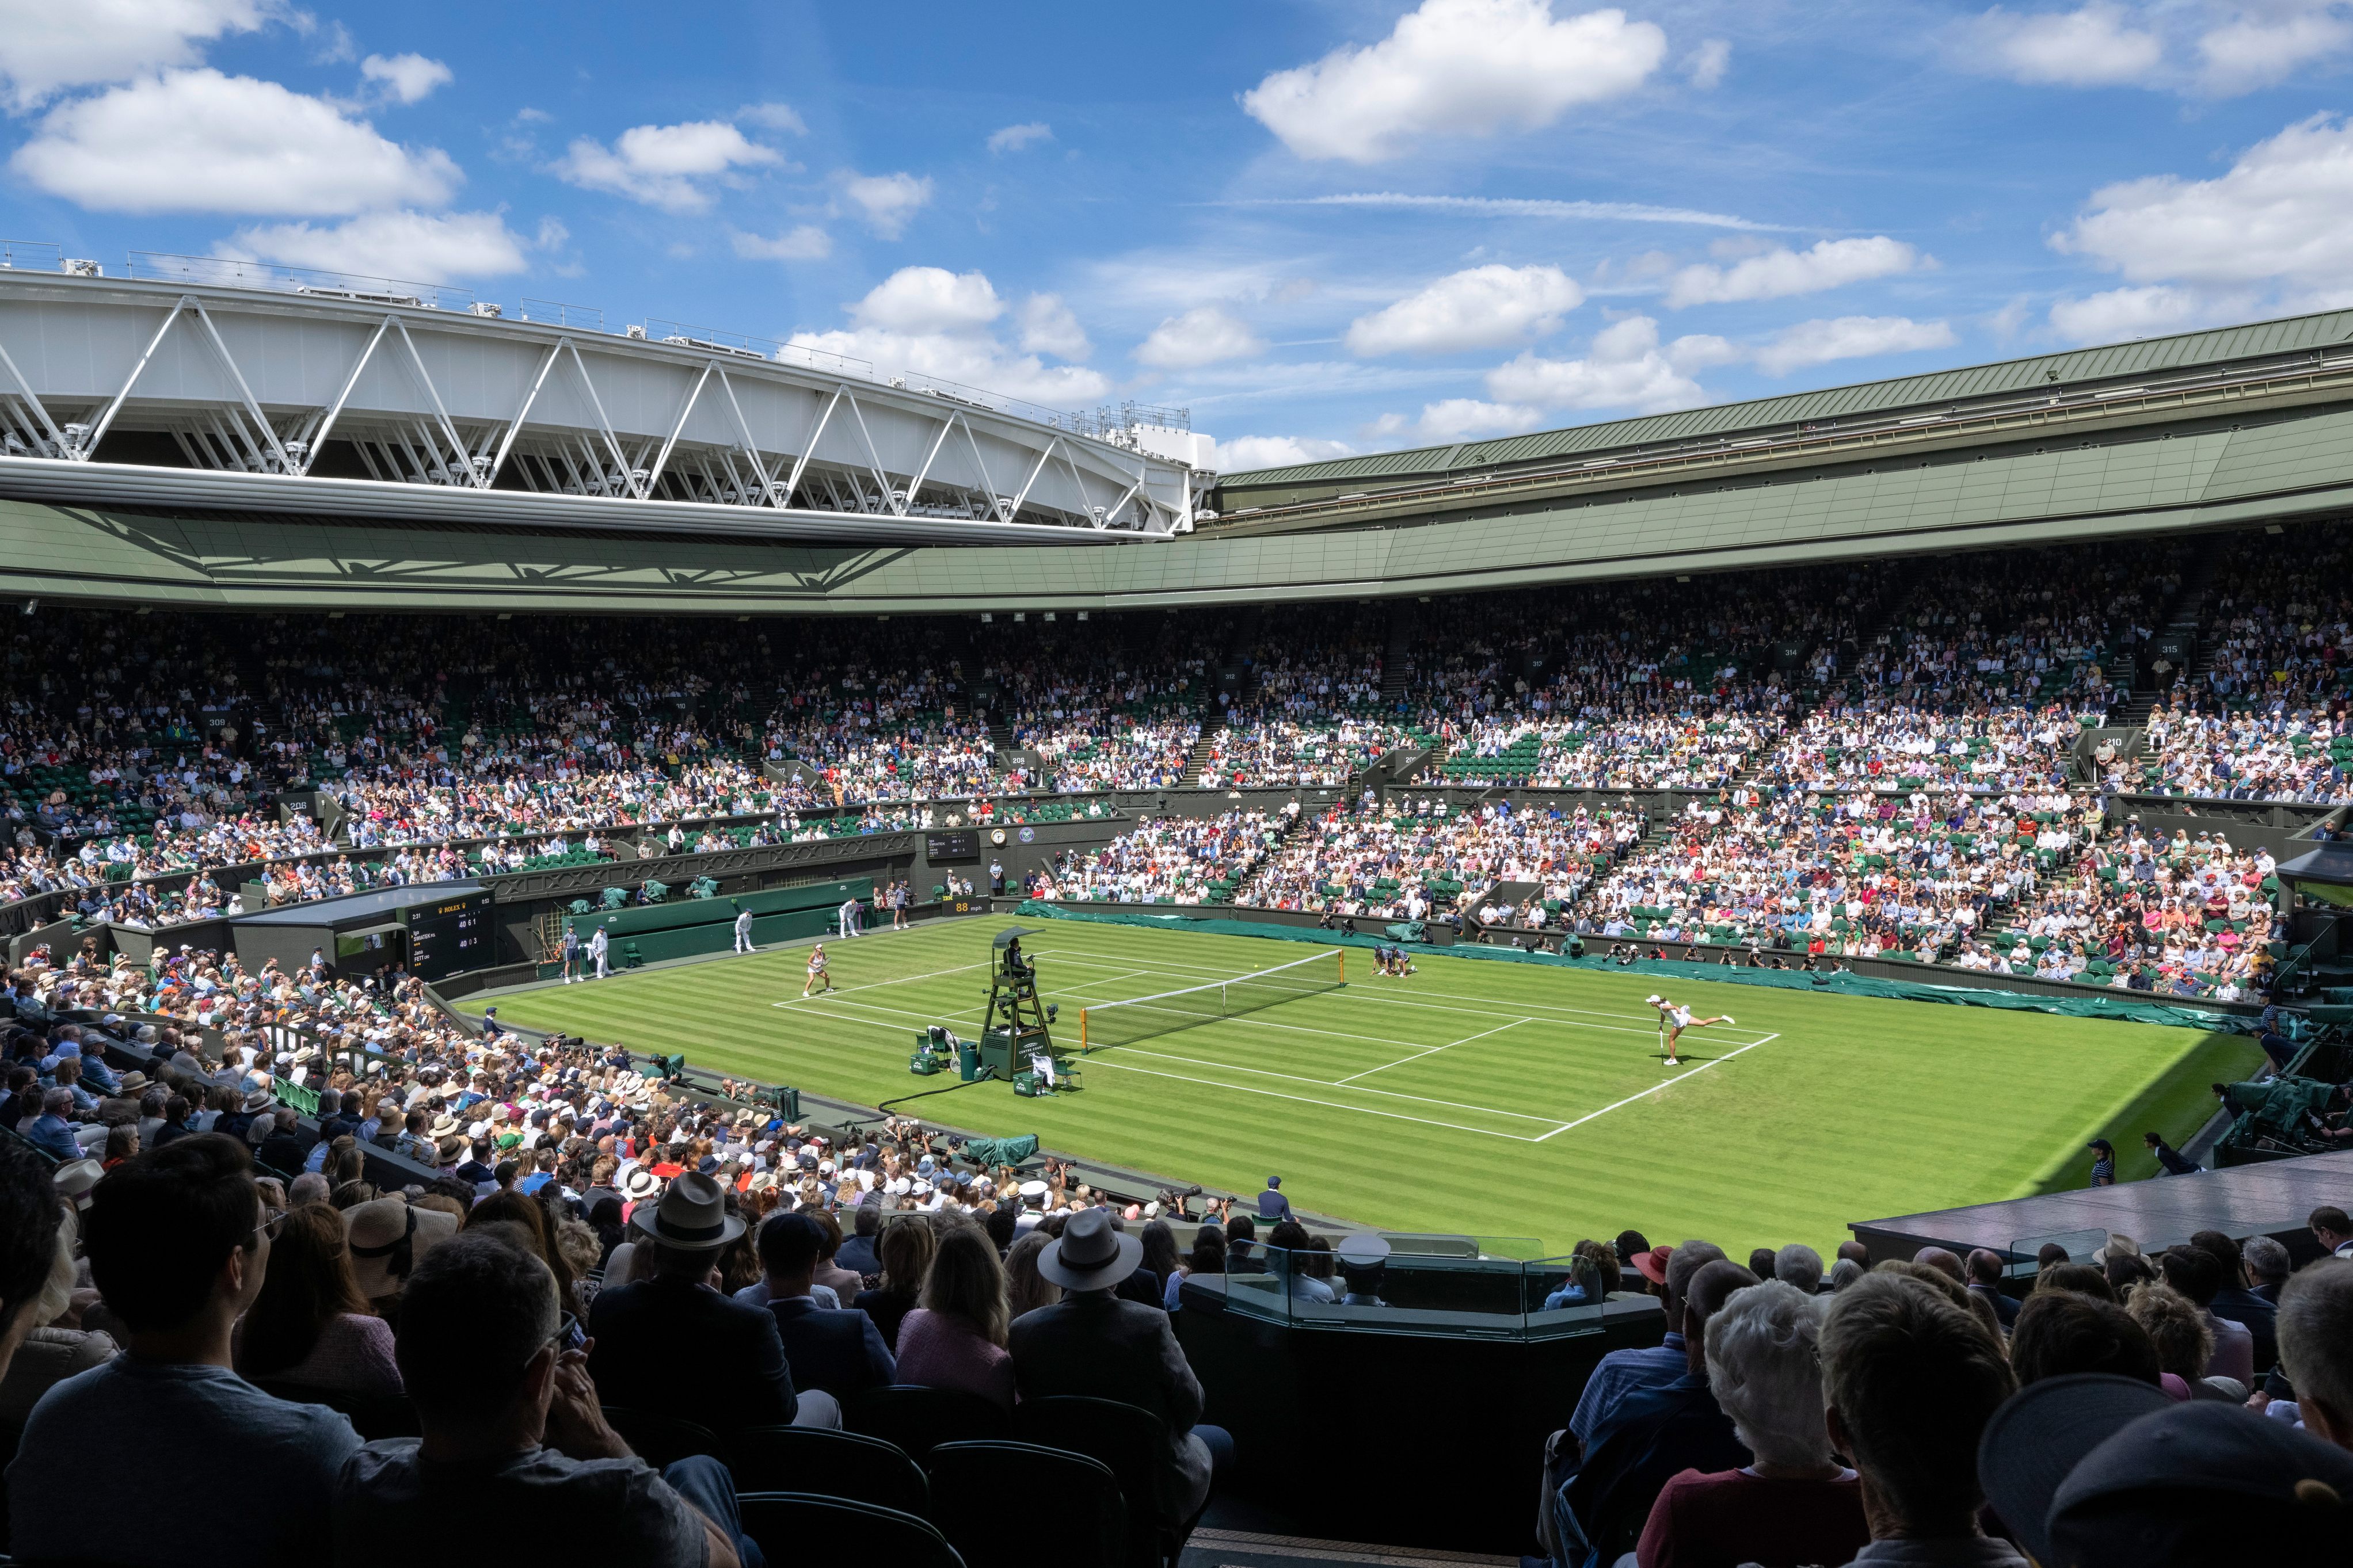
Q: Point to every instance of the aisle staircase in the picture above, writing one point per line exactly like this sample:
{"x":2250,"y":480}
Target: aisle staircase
{"x":1213,"y":725}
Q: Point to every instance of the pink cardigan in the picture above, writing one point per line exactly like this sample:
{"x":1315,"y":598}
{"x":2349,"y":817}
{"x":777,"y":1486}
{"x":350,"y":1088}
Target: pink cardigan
{"x":942,"y":1351}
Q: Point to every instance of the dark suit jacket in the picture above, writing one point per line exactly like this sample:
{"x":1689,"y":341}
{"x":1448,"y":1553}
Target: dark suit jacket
{"x":283,"y":1151}
{"x":836,"y":1349}
{"x":2003,"y":1307}
{"x":674,"y":1347}
{"x":1093,"y":1344}
{"x":2260,"y":1317}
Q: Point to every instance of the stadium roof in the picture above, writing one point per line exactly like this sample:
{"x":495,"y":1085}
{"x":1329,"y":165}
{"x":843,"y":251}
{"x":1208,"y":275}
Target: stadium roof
{"x":2255,"y":338}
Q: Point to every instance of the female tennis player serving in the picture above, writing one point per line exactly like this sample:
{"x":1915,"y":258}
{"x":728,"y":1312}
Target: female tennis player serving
{"x":1675,"y":1020}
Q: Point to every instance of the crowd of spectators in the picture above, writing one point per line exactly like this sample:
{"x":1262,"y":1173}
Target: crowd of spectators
{"x":1653,"y":684}
{"x":2265,"y":715}
{"x":2132,"y":1410}
{"x":1421,"y":855}
{"x":1172,"y":860}
{"x":2024,"y":883}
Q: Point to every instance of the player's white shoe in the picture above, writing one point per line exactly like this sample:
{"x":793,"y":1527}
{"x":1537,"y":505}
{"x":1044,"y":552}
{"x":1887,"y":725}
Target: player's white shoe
{"x":1730,"y":1019}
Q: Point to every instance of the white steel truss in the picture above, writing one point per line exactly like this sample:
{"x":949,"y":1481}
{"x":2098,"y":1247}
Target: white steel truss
{"x":945,"y":462}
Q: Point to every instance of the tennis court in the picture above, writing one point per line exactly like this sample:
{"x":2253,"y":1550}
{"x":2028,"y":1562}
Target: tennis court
{"x":1467,"y":1096}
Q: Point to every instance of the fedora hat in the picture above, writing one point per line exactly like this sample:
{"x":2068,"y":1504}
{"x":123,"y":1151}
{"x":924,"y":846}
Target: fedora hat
{"x":75,"y":1178}
{"x":1089,"y":1254}
{"x":691,"y":1216}
{"x":387,"y":1236}
{"x":134,"y":1081}
{"x":260,"y":1098}
{"x":2119,"y":1245}
{"x":640,"y":1183}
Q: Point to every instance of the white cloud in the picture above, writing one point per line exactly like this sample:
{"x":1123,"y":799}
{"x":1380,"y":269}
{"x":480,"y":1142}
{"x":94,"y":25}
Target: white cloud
{"x":773,"y":117}
{"x":1048,"y":327}
{"x":1460,"y":419}
{"x":1014,"y":138}
{"x":2259,"y":47}
{"x":1624,"y":367}
{"x":1848,"y":337}
{"x":1244,"y":453}
{"x":889,"y":201}
{"x":804,"y":242}
{"x":929,"y":299}
{"x":2149,"y":310}
{"x":428,"y":248}
{"x":665,"y":166}
{"x":2282,"y":214}
{"x":405,"y":79}
{"x":1455,"y":67}
{"x":928,"y":321}
{"x":1514,"y":206}
{"x":1708,"y":63}
{"x":2094,"y":47}
{"x":1202,"y":335}
{"x":1479,"y":308}
{"x":197,"y":140}
{"x":46,"y":47}
{"x":1830,"y":263}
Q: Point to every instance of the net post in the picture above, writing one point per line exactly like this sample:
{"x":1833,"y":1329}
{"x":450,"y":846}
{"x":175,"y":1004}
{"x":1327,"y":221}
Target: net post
{"x":1342,"y":954}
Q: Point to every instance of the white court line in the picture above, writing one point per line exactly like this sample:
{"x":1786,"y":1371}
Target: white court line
{"x":879,"y":985}
{"x":1656,"y":1087}
{"x":1328,"y":1104}
{"x":1435,"y":1049}
{"x":1327,"y":1083}
{"x":1352,"y":993}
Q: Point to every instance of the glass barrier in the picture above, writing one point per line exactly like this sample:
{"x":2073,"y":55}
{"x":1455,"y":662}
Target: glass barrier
{"x":1454,"y":1286}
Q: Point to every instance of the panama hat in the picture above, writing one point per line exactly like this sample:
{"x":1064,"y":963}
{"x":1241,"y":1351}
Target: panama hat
{"x":691,"y":1216}
{"x":75,"y":1178}
{"x":387,"y":1236}
{"x":640,"y":1183}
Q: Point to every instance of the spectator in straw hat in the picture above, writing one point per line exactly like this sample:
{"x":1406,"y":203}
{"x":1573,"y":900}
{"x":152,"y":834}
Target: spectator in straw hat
{"x":638,"y":1329}
{"x":1094,"y":1343}
{"x":387,"y":1236}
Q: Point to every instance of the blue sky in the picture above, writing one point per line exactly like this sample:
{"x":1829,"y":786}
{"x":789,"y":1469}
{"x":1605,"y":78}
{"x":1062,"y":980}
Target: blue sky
{"x":1322,"y":226}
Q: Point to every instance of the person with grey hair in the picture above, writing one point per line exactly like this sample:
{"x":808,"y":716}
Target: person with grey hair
{"x":1800,"y":1266}
{"x":1845,"y":1272}
{"x":1794,"y":1502}
{"x":2267,"y":1266}
{"x":2316,"y":1347}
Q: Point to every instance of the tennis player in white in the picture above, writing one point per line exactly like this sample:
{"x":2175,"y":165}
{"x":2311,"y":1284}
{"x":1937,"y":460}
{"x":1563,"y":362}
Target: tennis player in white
{"x":1676,"y":1019}
{"x":817,"y":974}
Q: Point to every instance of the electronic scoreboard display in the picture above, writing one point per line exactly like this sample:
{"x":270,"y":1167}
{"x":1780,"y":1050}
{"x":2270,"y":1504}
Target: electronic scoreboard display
{"x":449,"y":936}
{"x":952,"y":846}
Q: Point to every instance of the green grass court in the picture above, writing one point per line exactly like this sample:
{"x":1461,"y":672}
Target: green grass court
{"x":1499,"y":1099}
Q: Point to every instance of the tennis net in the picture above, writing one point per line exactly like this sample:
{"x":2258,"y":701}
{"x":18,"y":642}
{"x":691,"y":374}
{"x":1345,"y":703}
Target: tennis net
{"x":1142,"y":1017}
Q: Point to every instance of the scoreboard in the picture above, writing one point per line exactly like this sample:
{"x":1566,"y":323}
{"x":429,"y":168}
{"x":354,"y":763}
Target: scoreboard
{"x":938,"y":847}
{"x":449,"y":936}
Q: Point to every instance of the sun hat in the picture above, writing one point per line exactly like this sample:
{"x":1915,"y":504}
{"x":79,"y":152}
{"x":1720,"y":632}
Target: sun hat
{"x":1089,"y":1254}
{"x":259,"y":1098}
{"x":640,"y":1183}
{"x":75,"y":1178}
{"x":1653,"y":1265}
{"x":2119,"y":1245}
{"x":2042,"y":1433}
{"x":1033,"y":1189}
{"x":2193,"y":1484}
{"x":691,"y":1216}
{"x":387,"y":1236}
